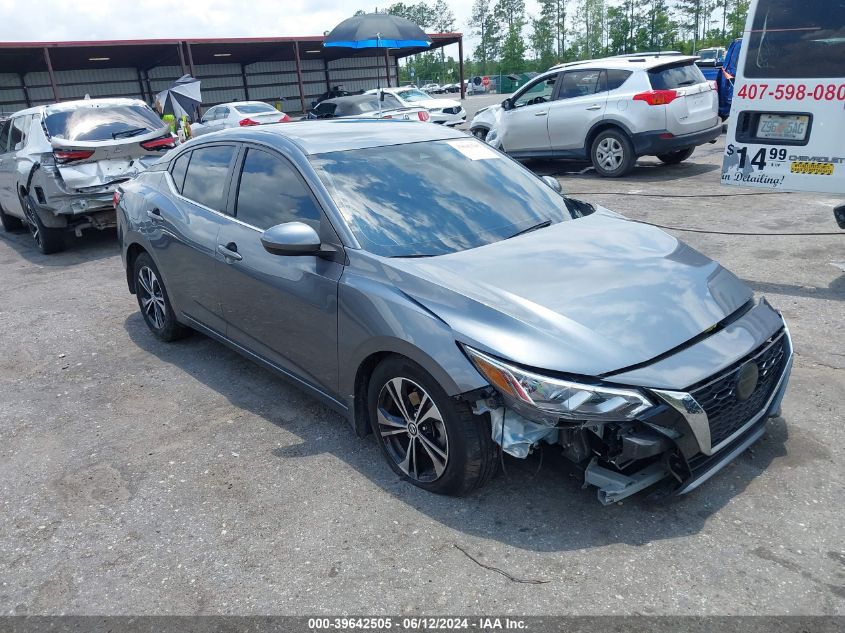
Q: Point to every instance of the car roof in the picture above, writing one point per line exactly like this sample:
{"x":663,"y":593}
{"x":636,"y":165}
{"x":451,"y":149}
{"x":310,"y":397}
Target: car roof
{"x":645,"y":61}
{"x":79,"y":103}
{"x":338,"y":135}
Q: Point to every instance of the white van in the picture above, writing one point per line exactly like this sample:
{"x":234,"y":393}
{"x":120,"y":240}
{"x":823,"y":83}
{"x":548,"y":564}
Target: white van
{"x":787,"y":128}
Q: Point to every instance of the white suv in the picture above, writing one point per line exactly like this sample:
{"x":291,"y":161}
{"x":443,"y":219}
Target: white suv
{"x":609,"y":111}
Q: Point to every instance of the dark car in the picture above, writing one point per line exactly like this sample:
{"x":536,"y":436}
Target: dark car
{"x":441,"y":296}
{"x":367,"y":106}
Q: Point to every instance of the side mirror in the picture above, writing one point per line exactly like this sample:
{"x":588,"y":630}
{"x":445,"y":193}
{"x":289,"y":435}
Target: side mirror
{"x":18,"y":145}
{"x":291,"y":238}
{"x":507,"y":104}
{"x":554,"y":183}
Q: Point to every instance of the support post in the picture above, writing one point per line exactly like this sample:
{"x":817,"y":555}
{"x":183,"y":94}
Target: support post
{"x":299,"y":76}
{"x":246,"y":85}
{"x":22,"y":77}
{"x":141,"y":84}
{"x":387,"y":65}
{"x":461,"y":67}
{"x":51,"y":74}
{"x":181,"y":57}
{"x":149,"y":86}
{"x":190,"y":60}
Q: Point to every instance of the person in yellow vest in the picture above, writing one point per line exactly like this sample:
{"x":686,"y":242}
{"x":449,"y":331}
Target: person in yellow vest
{"x":171,"y":121}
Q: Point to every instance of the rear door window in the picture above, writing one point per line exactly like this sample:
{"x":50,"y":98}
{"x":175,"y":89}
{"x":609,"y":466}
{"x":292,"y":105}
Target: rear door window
{"x":208,"y":174}
{"x":797,"y":40}
{"x":179,"y":169}
{"x":581,"y":83}
{"x":615,"y":78}
{"x":18,"y":131}
{"x":673,"y":77}
{"x":102,"y":123}
{"x":272,"y":192}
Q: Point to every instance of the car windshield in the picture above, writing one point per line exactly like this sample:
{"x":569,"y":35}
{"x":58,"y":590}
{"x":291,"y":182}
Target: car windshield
{"x":102,"y":123}
{"x":678,"y":76}
{"x":255,"y":108}
{"x":435,"y":197}
{"x":711,"y":54}
{"x":413,"y":95}
{"x":363,"y":106}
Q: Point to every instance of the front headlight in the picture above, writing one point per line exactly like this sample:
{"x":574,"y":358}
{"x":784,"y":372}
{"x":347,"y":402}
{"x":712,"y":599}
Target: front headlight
{"x":547,"y":399}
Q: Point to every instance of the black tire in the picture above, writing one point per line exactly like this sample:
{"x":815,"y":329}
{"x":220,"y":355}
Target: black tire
{"x":154,"y":302}
{"x":678,"y":156}
{"x":480,"y":133}
{"x":612,"y":154}
{"x":470,"y":453}
{"x":48,"y":239}
{"x":10,"y":223}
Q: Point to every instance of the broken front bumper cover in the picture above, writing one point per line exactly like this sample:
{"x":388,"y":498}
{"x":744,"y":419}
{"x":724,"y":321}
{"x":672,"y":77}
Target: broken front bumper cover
{"x":671,"y":443}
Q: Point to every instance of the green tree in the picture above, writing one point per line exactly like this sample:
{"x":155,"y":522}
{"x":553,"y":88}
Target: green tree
{"x":485,"y":26}
{"x":511,"y":15}
{"x":590,"y":22}
{"x":543,"y":41}
{"x":736,"y":19}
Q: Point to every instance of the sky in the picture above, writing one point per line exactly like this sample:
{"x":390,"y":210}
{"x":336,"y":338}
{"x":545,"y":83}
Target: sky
{"x":52,"y":20}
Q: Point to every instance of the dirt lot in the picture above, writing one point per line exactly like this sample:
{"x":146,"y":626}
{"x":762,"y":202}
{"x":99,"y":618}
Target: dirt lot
{"x":139,"y":477}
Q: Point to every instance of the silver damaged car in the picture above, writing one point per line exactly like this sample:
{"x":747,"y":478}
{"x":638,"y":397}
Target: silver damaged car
{"x":60,"y":164}
{"x":445,"y":299}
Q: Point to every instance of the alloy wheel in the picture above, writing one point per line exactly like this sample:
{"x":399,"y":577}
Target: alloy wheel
{"x":610,"y":153}
{"x":32,"y":222}
{"x":152,"y":297}
{"x":412,"y":429}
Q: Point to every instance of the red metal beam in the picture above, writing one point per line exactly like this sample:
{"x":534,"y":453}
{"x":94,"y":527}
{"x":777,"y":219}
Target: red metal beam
{"x":461,"y":67}
{"x":52,"y":75}
{"x":299,"y":75}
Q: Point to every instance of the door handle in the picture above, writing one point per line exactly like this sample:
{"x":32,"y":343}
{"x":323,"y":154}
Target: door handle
{"x":230,"y":251}
{"x":540,"y":113}
{"x":594,"y":107}
{"x":154,"y":214}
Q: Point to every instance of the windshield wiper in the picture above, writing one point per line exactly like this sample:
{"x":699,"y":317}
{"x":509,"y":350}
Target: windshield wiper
{"x":409,"y":256}
{"x":135,"y":131}
{"x":541,"y":225}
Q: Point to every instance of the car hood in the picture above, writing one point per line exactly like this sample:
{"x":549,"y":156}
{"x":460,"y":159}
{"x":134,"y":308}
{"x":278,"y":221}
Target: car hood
{"x":590,"y":297}
{"x":488,"y":116}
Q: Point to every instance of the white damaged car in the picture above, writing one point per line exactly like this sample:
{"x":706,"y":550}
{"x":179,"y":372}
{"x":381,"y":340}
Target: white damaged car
{"x":443,"y":111}
{"x":60,"y":164}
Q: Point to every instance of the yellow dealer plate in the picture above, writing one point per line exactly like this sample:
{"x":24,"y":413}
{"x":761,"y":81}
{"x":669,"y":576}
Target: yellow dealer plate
{"x":812,"y":169}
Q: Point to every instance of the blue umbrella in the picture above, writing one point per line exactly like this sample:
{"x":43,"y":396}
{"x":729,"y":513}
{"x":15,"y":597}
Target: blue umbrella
{"x":377,"y":30}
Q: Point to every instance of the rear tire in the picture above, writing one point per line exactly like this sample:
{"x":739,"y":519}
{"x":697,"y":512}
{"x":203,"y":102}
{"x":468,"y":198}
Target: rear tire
{"x":154,"y":302}
{"x":49,"y":240}
{"x":612,"y":154}
{"x":678,"y":156}
{"x":10,"y":223}
{"x":428,"y":439}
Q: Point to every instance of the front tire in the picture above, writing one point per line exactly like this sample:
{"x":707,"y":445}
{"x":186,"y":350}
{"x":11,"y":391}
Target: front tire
{"x":612,"y":154}
{"x":154,"y":301}
{"x":49,"y":240}
{"x":429,"y":439}
{"x":678,"y":156}
{"x":480,"y":133}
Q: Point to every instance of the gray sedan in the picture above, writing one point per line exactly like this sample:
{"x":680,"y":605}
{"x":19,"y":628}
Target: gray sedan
{"x":443,"y":298}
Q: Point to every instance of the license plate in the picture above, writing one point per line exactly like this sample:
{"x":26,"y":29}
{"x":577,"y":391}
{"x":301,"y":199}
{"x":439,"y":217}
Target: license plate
{"x":783,"y":127}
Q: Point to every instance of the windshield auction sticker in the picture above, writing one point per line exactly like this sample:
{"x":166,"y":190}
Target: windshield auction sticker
{"x":474,"y":150}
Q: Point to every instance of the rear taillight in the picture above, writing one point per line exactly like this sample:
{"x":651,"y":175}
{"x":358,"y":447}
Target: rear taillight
{"x":63,"y":156}
{"x":387,"y":116}
{"x":657,"y":97}
{"x":285,"y":118}
{"x":159,"y":144}
{"x":248,"y":123}
{"x":423,"y":115}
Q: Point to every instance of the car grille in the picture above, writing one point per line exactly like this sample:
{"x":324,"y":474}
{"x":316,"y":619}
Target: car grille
{"x":451,"y":110}
{"x":718,"y":398}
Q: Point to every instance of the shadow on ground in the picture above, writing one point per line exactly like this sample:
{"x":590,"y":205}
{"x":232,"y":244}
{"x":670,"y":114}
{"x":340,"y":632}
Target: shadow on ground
{"x":92,"y":246}
{"x":537,"y":506}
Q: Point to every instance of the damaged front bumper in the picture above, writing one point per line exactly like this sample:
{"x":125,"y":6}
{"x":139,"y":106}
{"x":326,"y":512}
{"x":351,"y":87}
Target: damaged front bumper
{"x":681,"y":443}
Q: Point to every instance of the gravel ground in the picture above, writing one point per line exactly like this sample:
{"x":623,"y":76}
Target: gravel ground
{"x":140,"y":477}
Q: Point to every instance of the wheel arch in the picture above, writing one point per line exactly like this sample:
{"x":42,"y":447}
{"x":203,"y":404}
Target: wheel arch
{"x":132,"y":253}
{"x":602,"y":126}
